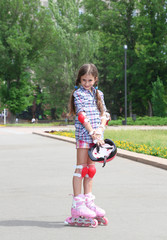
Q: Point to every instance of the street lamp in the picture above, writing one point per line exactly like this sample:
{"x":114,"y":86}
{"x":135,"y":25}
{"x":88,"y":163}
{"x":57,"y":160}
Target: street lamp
{"x":125,"y":48}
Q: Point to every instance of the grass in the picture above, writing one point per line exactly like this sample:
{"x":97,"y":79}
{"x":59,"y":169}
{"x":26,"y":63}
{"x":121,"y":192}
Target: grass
{"x":150,"y":142}
{"x":35,"y":124}
{"x":156,"y":138}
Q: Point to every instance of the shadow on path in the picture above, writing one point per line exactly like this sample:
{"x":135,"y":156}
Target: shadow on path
{"x":30,"y":223}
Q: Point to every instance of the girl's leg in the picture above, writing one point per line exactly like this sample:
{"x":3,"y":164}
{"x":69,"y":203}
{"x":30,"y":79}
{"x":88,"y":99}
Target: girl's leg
{"x":82,"y":157}
{"x":87,"y":183}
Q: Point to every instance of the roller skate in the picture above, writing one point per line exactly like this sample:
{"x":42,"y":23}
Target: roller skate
{"x":89,"y":201}
{"x":80,"y":214}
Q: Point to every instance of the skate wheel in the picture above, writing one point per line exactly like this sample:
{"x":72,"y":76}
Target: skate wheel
{"x":105,"y":221}
{"x":79,"y":224}
{"x":102,"y":220}
{"x":95,"y":223}
{"x":68,"y":221}
{"x":87,"y":225}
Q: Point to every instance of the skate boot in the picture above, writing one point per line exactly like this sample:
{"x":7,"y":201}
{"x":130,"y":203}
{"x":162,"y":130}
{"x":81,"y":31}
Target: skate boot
{"x":80,"y":214}
{"x":89,"y":201}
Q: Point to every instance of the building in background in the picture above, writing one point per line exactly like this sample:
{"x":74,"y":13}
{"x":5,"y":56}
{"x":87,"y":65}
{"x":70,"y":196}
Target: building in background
{"x":44,"y":3}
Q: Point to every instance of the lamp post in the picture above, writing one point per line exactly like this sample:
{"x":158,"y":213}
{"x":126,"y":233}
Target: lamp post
{"x":125,"y":48}
{"x":4,"y":115}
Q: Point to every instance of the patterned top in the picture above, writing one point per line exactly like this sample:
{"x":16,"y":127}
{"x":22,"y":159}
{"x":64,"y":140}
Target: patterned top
{"x":85,"y":101}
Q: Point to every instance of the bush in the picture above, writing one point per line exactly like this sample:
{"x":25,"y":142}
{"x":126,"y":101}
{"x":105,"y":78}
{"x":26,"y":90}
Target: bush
{"x":158,"y":98}
{"x":152,"y":121}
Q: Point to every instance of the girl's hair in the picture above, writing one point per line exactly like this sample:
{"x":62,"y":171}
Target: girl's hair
{"x":91,"y":70}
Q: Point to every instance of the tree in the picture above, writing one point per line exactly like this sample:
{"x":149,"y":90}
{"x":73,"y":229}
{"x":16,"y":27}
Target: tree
{"x":142,"y":26}
{"x":57,"y":69}
{"x":158,"y":98}
{"x":115,"y":23}
{"x":25,"y":31}
{"x":151,"y":47}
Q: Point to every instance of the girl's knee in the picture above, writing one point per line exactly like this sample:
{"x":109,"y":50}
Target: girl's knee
{"x":81,"y":171}
{"x":91,"y":170}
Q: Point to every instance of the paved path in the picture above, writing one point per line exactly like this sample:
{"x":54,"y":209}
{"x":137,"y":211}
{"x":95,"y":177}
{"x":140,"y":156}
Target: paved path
{"x":35,"y":180}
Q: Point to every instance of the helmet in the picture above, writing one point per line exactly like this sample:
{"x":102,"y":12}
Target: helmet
{"x":104,"y":153}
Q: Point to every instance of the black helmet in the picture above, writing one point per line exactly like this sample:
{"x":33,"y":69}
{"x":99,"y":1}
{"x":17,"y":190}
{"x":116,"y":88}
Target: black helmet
{"x":104,"y":153}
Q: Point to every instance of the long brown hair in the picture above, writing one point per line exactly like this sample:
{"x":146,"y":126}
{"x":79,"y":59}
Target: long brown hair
{"x":91,"y":70}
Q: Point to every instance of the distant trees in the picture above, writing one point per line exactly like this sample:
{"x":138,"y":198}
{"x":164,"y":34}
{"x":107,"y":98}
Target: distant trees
{"x":25,"y":31}
{"x":57,"y":69}
{"x":158,"y":99}
{"x":142,"y":26}
{"x":42,"y":48}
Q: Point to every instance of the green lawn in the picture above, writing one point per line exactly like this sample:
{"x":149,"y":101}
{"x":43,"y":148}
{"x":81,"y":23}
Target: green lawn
{"x":156,"y":138}
{"x":151,"y":142}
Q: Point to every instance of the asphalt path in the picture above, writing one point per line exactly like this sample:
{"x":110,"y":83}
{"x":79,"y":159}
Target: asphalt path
{"x":36,"y":183}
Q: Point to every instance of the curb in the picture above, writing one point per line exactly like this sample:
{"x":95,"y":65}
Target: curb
{"x":137,"y":157}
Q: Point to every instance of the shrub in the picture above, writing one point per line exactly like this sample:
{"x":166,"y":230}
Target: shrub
{"x":158,"y":98}
{"x":152,"y":121}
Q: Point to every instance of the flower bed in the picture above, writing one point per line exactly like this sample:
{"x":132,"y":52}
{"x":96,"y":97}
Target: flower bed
{"x":154,"y":151}
{"x":62,"y":133}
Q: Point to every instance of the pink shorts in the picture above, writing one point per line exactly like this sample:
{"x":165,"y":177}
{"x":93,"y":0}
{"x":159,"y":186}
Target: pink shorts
{"x":82,"y":144}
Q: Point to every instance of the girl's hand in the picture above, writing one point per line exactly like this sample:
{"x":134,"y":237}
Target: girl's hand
{"x":99,"y":131}
{"x":97,"y":137}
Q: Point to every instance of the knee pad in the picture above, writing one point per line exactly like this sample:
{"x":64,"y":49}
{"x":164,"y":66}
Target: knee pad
{"x":83,"y":171}
{"x":91,"y":170}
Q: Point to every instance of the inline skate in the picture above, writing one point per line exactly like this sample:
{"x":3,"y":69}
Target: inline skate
{"x":80,"y":214}
{"x":89,"y":201}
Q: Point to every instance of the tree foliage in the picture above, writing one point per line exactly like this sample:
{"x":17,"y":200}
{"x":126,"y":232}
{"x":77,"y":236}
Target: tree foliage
{"x":25,"y":31}
{"x":158,"y":99}
{"x":56,"y":72}
{"x":142,"y":26}
{"x":44,"y":47}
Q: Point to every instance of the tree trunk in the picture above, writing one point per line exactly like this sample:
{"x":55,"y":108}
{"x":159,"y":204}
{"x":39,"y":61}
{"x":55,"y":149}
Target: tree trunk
{"x":130,"y":108}
{"x":150,"y":112}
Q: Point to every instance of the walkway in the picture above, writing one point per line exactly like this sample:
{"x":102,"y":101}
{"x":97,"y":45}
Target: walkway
{"x":35,"y":183}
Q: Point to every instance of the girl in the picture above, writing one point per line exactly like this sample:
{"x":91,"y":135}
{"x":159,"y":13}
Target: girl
{"x":87,"y":103}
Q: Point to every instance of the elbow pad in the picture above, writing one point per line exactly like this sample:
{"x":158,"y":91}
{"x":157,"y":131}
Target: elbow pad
{"x":107,"y":117}
{"x":82,"y":118}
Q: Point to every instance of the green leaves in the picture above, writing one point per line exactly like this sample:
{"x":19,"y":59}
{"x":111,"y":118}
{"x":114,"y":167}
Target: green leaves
{"x":25,"y":31}
{"x":56,"y":72}
{"x":142,"y":26}
{"x":158,"y":98}
{"x":52,"y":43}
{"x":17,"y":41}
{"x":19,"y":96}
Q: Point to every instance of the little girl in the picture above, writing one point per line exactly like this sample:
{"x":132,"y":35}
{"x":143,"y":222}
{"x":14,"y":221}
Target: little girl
{"x":87,"y":103}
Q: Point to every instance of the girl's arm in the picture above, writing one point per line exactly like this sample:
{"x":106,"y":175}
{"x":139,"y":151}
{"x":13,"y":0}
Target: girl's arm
{"x":85,"y":121}
{"x":104,"y":121}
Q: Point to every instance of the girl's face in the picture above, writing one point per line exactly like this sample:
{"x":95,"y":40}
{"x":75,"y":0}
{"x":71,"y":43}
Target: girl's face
{"x":87,"y":81}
